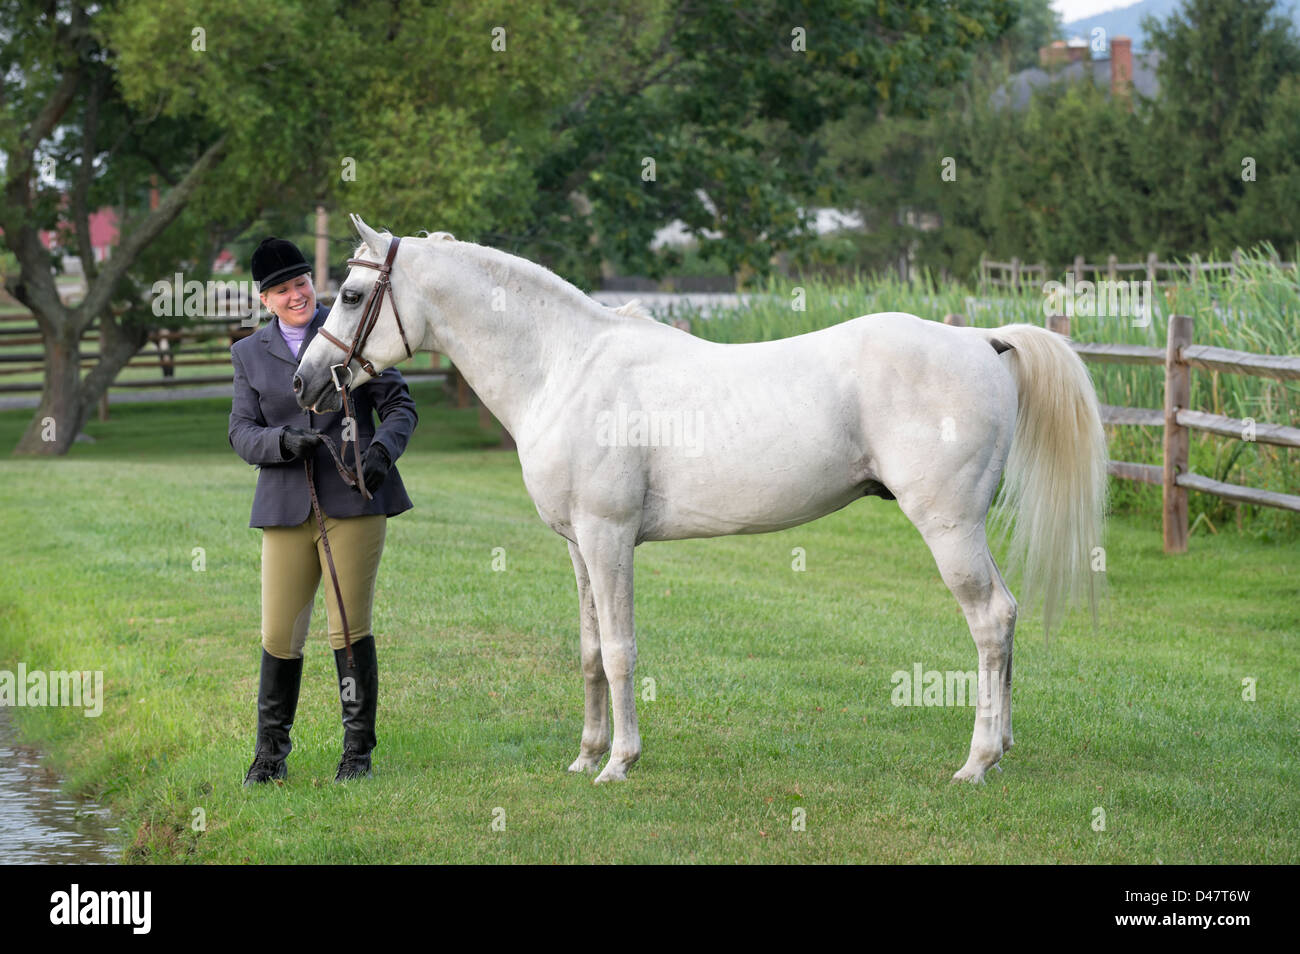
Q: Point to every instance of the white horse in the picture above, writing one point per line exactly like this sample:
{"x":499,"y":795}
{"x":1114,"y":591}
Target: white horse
{"x":761,"y":437}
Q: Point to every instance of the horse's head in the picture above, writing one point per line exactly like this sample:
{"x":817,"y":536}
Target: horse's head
{"x":376,"y":322}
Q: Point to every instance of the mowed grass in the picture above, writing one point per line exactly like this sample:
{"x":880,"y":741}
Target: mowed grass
{"x":772,"y":687}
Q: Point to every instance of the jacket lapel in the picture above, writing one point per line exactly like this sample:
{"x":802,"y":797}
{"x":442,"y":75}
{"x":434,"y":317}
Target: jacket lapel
{"x":275,"y":343}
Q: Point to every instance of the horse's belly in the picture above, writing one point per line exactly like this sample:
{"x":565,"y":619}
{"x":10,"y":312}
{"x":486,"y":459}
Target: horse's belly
{"x":709,"y":502}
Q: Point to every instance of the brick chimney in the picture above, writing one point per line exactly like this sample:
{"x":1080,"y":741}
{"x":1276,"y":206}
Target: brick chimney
{"x":1121,"y":65}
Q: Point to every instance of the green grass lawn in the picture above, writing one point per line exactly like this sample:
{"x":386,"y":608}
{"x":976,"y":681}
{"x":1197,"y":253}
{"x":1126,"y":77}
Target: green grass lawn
{"x":772,"y":687}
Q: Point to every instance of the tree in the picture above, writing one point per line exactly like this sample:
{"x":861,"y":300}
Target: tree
{"x":97,"y":101}
{"x":729,"y":106}
{"x":1036,"y":25}
{"x":1269,"y":210}
{"x":901,"y":170}
{"x":1222,"y":60}
{"x":1064,"y":177}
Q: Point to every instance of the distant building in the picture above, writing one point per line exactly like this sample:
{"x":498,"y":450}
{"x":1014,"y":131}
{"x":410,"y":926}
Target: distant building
{"x":103,"y":236}
{"x":1067,"y":61}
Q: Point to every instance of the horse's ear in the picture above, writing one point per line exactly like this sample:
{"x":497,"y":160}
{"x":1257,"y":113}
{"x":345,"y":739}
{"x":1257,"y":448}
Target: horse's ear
{"x":368,"y":235}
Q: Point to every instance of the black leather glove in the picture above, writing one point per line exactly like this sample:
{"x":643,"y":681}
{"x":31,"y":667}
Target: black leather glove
{"x":298,"y":442}
{"x":374,"y":466}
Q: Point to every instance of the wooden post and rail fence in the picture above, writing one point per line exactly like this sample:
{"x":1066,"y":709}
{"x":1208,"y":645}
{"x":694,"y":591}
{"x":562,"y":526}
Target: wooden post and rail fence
{"x":1175,"y":477}
{"x":168,"y":357}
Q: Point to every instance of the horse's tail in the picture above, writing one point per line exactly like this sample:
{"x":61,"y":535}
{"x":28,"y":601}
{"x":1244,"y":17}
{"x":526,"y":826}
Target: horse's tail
{"x":1054,"y":486}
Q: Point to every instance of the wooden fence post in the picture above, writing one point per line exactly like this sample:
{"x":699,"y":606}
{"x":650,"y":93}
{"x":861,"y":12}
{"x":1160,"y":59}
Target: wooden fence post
{"x":321,"y":275}
{"x":1078,"y":268}
{"x":954,"y":319}
{"x":1151,"y":269}
{"x":984,"y":271}
{"x":1236,"y":262}
{"x":1015,"y":275}
{"x":1178,"y":395}
{"x":1111,"y":271}
{"x":1060,"y":324}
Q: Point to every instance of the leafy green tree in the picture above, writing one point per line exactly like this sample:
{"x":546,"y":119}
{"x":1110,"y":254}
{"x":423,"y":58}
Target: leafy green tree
{"x":727,"y":101}
{"x":97,"y":102}
{"x":890,"y":168}
{"x":1036,"y":25}
{"x":1269,"y":207}
{"x":1059,"y":179}
{"x":1222,"y":60}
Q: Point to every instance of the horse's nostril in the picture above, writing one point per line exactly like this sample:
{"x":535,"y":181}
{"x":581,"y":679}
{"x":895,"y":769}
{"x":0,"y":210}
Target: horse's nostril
{"x":297,"y":384}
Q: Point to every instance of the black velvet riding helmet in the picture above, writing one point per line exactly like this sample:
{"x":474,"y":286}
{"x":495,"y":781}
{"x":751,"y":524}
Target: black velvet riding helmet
{"x":276,"y":261}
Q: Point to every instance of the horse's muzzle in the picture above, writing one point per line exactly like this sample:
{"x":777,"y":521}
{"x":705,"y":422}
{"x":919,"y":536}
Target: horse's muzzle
{"x":319,"y":398}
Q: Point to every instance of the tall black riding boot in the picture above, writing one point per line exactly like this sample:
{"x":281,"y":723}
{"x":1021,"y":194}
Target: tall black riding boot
{"x":358,"y":693}
{"x":277,"y":701}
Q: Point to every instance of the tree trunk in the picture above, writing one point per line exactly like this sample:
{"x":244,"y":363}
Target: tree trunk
{"x":68,"y":399}
{"x":58,"y":417}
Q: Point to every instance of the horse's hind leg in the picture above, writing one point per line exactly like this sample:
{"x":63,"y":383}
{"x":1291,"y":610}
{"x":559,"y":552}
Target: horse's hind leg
{"x":595,"y":717}
{"x":961,"y":551}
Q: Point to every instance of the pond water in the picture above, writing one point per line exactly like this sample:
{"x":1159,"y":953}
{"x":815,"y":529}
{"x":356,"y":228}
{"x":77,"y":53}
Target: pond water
{"x":39,"y":824}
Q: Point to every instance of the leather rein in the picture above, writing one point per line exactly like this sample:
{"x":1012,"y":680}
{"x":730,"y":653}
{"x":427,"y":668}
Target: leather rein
{"x":369,"y":316}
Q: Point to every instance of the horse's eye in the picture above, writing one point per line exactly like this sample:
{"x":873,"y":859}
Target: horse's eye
{"x":351,"y":297}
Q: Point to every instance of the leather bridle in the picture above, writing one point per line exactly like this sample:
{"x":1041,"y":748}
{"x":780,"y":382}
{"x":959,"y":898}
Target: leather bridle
{"x":369,"y":316}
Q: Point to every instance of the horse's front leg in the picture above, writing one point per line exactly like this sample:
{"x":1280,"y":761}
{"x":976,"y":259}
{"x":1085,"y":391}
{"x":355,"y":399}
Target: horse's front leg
{"x":595,"y":718}
{"x":607,"y":549}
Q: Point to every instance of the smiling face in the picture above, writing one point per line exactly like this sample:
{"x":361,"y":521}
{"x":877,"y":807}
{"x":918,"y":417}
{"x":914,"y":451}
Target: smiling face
{"x":293,"y":301}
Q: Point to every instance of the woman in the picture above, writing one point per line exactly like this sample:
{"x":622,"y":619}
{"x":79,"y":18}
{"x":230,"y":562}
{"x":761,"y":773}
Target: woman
{"x":270,"y":430}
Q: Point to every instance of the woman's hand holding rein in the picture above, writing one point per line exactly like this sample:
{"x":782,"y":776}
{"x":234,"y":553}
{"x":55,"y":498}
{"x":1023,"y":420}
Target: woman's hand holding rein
{"x":298,"y":442}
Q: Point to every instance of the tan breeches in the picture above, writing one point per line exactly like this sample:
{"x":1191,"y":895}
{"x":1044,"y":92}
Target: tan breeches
{"x":293,"y":562}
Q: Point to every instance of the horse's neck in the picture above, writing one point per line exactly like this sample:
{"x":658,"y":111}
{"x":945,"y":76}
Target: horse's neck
{"x":508,"y":325}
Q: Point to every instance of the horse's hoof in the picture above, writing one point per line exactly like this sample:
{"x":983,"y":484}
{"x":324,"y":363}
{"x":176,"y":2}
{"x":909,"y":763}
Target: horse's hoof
{"x":612,"y":773}
{"x":972,"y":773}
{"x":584,"y":764}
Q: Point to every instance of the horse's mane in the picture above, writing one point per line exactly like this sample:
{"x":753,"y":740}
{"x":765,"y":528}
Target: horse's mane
{"x":631,"y":309}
